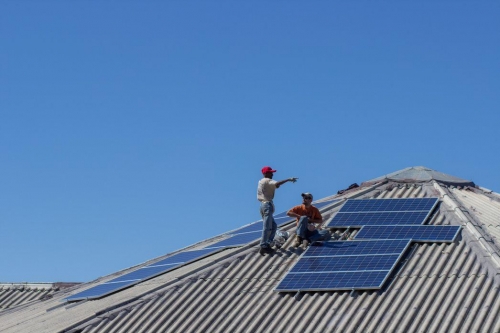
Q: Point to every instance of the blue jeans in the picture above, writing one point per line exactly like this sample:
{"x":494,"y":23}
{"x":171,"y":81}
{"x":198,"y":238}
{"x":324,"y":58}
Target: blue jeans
{"x":305,"y":233}
{"x":269,"y":229}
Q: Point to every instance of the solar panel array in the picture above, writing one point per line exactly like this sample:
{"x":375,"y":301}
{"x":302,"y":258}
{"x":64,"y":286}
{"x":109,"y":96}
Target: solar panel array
{"x":388,"y":227}
{"x":344,"y":265}
{"x":142,"y":274}
{"x":357,"y":213}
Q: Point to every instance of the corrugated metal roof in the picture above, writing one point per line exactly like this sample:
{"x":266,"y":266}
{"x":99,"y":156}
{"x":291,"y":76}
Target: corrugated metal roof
{"x":438,"y":288}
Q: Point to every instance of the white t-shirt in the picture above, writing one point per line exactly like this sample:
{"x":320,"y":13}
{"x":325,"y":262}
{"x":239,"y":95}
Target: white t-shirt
{"x":265,"y":189}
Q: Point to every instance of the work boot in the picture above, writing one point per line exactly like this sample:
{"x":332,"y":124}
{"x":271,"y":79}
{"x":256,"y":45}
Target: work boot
{"x":298,"y":240}
{"x":264,"y":250}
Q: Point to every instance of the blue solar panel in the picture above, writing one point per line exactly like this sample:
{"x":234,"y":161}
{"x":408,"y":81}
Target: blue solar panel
{"x":235,"y":240}
{"x":342,"y":248}
{"x":422,"y":233}
{"x":100,"y":290}
{"x":333,"y":281}
{"x":283,"y":220}
{"x":386,"y":218}
{"x":257,"y":226}
{"x":389,"y":205}
{"x":183,"y":257}
{"x":143,"y":273}
{"x":280,"y":215}
{"x":344,"y":263}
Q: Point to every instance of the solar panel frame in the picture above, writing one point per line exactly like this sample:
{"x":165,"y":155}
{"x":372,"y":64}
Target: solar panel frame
{"x":433,"y":233}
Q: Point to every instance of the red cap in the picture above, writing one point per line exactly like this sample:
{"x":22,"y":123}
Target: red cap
{"x":267,"y":169}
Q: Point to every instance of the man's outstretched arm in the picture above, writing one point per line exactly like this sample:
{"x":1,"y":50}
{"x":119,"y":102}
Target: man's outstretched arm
{"x":281,"y":182}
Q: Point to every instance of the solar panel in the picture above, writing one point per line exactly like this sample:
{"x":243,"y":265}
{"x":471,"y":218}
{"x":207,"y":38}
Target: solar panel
{"x":100,"y":290}
{"x":283,"y":220}
{"x":388,"y":205}
{"x":142,"y":274}
{"x":418,"y":233}
{"x":183,"y":257}
{"x":383,"y":218}
{"x":280,"y":215}
{"x":344,"y":265}
{"x":257,"y":226}
{"x":235,"y":240}
{"x":333,"y":281}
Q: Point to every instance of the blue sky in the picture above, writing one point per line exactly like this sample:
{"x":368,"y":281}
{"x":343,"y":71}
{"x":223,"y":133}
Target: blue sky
{"x":129,"y":129}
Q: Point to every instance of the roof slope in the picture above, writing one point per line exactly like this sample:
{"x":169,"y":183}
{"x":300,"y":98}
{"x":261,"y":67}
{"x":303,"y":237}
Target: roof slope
{"x":438,"y":288}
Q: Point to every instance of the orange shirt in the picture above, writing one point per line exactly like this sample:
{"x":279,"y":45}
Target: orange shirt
{"x":311,"y":212}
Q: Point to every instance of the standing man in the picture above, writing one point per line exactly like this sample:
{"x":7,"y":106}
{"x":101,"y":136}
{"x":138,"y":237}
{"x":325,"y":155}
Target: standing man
{"x":265,"y":194}
{"x":308,"y":220}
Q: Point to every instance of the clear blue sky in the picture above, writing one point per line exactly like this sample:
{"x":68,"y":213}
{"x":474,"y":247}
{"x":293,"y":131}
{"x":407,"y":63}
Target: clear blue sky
{"x":132,"y":129}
